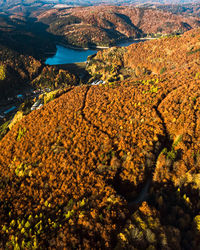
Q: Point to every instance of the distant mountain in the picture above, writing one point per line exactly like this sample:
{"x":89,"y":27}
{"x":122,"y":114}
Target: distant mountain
{"x":105,"y":25}
{"x":12,"y":3}
{"x":88,"y":26}
{"x":184,"y":9}
{"x":34,"y":27}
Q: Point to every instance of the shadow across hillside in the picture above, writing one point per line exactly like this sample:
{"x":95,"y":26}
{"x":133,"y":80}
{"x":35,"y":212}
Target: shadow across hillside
{"x":27,"y":36}
{"x":178,"y":208}
{"x":175,"y":226}
{"x":78,"y":69}
{"x":127,"y":20}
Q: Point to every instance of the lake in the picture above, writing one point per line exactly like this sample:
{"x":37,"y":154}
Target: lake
{"x":67,"y":55}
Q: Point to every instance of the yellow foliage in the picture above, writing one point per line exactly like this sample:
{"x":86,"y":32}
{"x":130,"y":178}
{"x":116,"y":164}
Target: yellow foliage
{"x":2,"y":72}
{"x":122,"y":237}
{"x":151,"y":247}
{"x":17,"y":118}
{"x":197,"y":222}
{"x":141,"y":222}
{"x":50,"y":96}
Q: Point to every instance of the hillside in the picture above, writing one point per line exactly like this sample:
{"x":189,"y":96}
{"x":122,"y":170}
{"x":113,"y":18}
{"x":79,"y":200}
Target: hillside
{"x":35,"y":29}
{"x":191,"y":9}
{"x":24,"y":35}
{"x":21,"y":73}
{"x":170,"y":54}
{"x":113,"y":166}
{"x":16,"y":71}
{"x":105,"y":25}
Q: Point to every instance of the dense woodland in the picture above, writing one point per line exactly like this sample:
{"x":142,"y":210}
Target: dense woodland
{"x":35,"y":29}
{"x":16,"y":71}
{"x":186,"y":9}
{"x":106,"y":25}
{"x":19,"y":72}
{"x":112,"y":166}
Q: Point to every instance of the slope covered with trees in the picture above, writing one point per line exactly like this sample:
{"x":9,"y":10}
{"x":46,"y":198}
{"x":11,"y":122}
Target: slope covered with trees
{"x":19,"y":72}
{"x":24,"y":35}
{"x":186,"y":9}
{"x":110,"y":166}
{"x":105,"y":25}
{"x":16,"y":71}
{"x":168,"y":54}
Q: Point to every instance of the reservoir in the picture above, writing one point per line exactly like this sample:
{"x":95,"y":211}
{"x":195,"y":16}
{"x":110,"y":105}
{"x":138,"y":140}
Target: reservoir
{"x":66,"y":55}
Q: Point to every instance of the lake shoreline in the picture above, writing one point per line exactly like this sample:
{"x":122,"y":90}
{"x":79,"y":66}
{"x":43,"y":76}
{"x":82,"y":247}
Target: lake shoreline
{"x":66,"y":54}
{"x":104,"y":47}
{"x":80,"y":48}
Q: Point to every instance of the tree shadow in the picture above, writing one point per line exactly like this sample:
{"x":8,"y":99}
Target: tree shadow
{"x":167,"y":219}
{"x":78,"y":69}
{"x":127,"y":20}
{"x":177,"y":209}
{"x":27,"y":36}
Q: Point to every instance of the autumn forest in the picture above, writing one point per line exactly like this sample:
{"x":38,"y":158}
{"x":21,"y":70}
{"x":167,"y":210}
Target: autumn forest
{"x":111,"y":166}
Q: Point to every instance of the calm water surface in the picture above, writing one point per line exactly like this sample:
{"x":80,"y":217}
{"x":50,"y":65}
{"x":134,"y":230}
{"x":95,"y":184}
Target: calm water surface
{"x":67,"y":55}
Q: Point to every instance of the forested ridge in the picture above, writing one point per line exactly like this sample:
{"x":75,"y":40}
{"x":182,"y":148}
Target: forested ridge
{"x":113,"y":166}
{"x":107,"y":25}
